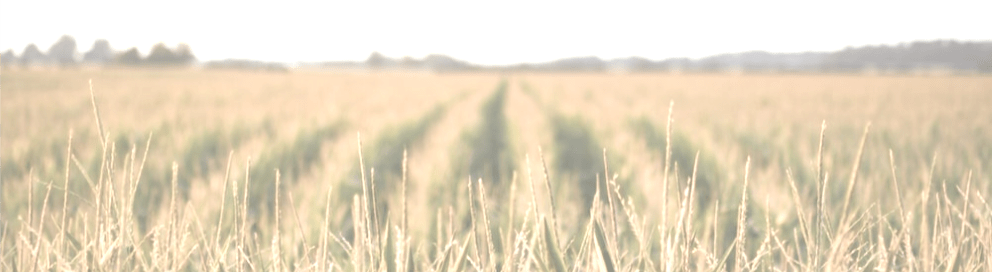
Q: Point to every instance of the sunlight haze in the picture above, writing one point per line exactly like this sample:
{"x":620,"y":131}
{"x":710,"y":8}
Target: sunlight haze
{"x":486,"y":33}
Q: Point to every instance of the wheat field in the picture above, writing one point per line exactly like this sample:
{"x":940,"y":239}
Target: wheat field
{"x":212,"y":170}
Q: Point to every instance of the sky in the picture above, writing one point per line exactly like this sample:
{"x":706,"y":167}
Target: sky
{"x":490,"y":32}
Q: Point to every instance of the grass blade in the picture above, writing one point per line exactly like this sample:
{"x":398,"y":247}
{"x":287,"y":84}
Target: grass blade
{"x":554,"y":254}
{"x":604,"y":250}
{"x":389,"y":250}
{"x":460,"y":261}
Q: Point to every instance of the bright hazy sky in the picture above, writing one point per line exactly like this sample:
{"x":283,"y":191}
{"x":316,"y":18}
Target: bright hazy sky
{"x":491,"y":32}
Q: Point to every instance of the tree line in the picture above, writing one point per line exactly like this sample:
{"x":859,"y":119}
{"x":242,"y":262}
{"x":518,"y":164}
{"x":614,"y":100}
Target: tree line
{"x":64,"y":53}
{"x":915,"y":57}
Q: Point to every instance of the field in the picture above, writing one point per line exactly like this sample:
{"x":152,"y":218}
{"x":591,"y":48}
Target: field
{"x":340,"y":170}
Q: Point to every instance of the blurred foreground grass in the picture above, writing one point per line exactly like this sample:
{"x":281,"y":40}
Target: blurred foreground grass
{"x":219,"y":170}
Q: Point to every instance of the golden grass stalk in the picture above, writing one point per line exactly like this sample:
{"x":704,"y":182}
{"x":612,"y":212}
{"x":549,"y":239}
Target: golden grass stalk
{"x":173,"y":241}
{"x":486,"y":223}
{"x":358,"y":252}
{"x":533,"y":188}
{"x":804,"y":228}
{"x":96,"y":114}
{"x":242,"y":254}
{"x":474,"y":219}
{"x":741,"y":238}
{"x":821,"y":186}
{"x":609,"y":196}
{"x":276,"y":244}
{"x":607,"y":263}
{"x":375,"y":205}
{"x":65,"y":188}
{"x":223,"y":200}
{"x":445,"y":257}
{"x":389,"y":250}
{"x":551,"y":194}
{"x":403,"y":226}
{"x":460,"y":260}
{"x":668,"y":162}
{"x":688,"y":230}
{"x":299,"y":226}
{"x":508,"y":246}
{"x":554,"y":254}
{"x":324,"y":230}
{"x":31,"y":197}
{"x":39,"y":231}
{"x":854,"y":177}
{"x":366,"y":196}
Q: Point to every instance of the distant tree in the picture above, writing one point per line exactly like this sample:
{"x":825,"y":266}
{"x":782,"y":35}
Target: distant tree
{"x":920,"y":55}
{"x":631,"y":64}
{"x":8,"y":58}
{"x":443,"y":63}
{"x":131,"y":57}
{"x":32,"y":56}
{"x":63,"y":52}
{"x":376,"y":60}
{"x":985,"y":63}
{"x":161,"y":55}
{"x":184,"y":55}
{"x":410,"y":63}
{"x":246,"y":65}
{"x":100,"y":53}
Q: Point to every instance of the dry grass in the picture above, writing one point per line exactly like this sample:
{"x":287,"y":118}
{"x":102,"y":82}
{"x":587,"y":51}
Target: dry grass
{"x":739,"y":175}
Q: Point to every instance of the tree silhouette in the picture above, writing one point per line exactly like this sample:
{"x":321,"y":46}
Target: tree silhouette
{"x":161,"y":55}
{"x":130,"y":57}
{"x":184,"y":55}
{"x":376,"y":60}
{"x":33,"y":56}
{"x":7,"y":58}
{"x":985,"y":63}
{"x":63,"y":52}
{"x":100,"y":53}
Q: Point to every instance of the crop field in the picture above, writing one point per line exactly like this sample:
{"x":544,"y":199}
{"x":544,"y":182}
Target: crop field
{"x":213,"y":170}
